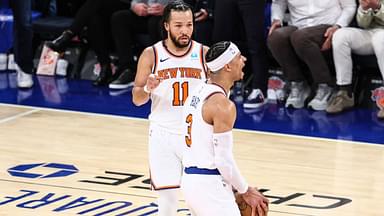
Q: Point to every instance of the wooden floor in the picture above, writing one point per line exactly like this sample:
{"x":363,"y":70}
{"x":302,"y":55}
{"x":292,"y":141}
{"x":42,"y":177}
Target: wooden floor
{"x":101,"y":163}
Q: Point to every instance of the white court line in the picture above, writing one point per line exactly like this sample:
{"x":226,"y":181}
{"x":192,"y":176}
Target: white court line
{"x":74,"y":112}
{"x":309,"y":137}
{"x":2,"y":121}
{"x":241,"y":130}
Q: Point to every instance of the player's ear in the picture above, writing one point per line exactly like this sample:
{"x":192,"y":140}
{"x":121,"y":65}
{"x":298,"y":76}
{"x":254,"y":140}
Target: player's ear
{"x":166,"y":26}
{"x":227,"y":67}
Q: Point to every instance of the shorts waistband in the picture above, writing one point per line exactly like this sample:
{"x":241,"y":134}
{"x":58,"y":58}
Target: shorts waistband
{"x":201,"y":171}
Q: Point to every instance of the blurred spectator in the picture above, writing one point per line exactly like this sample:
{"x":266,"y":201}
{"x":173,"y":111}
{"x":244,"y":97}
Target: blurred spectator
{"x":144,"y":17}
{"x":94,"y":14}
{"x":226,"y":25}
{"x":366,"y":41}
{"x":52,"y":8}
{"x":22,"y":14}
{"x":203,"y":12}
{"x":309,"y":32}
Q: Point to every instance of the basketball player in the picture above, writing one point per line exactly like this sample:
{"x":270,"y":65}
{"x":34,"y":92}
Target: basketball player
{"x":210,"y":169}
{"x":166,"y":73}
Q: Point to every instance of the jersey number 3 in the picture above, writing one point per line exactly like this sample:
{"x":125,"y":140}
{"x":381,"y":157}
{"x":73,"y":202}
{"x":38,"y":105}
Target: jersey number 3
{"x":188,"y":138}
{"x":179,"y":90}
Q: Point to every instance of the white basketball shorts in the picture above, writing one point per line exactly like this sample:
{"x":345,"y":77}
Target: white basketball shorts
{"x":208,"y":195}
{"x":165,"y":158}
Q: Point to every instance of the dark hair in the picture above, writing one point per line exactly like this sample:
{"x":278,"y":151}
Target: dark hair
{"x":173,"y":5}
{"x":216,"y":50}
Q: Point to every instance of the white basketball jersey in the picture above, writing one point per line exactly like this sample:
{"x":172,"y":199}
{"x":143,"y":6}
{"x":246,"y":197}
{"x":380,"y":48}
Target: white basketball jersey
{"x":180,"y":74}
{"x":198,"y":133}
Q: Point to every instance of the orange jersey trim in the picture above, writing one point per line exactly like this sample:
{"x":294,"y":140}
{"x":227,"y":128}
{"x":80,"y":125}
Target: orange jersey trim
{"x":165,"y":187}
{"x":154,"y":187}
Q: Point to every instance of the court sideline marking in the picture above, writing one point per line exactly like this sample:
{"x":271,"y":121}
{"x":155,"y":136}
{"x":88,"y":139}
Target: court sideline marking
{"x":14,"y":117}
{"x":236,"y":129}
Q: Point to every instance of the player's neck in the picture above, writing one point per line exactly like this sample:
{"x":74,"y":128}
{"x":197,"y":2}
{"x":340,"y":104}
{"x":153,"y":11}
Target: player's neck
{"x":223,"y":83}
{"x":178,"y":51}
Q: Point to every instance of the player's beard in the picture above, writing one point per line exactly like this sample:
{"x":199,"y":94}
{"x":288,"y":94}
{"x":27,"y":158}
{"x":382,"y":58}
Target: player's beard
{"x":177,"y":42}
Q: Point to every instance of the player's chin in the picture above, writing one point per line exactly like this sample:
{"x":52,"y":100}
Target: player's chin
{"x":241,"y":76}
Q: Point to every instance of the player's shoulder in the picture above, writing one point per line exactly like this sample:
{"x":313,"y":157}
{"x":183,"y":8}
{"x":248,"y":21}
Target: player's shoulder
{"x":197,"y":44}
{"x":205,"y":49}
{"x":148,"y":54}
{"x":220,"y":103}
{"x":148,"y":50}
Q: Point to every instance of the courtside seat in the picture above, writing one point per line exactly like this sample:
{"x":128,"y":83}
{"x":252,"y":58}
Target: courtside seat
{"x":54,"y":25}
{"x":49,"y":26}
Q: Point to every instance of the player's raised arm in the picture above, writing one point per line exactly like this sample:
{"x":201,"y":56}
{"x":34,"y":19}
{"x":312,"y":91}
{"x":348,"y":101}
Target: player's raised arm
{"x":143,"y":82}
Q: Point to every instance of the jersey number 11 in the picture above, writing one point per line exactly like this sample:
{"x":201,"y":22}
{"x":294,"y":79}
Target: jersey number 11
{"x":179,"y":90}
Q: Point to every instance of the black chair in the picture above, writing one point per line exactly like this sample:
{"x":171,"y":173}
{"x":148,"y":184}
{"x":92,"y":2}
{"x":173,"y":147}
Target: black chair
{"x":48,"y":27}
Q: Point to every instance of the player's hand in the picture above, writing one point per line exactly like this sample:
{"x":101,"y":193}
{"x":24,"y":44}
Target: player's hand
{"x":328,"y":37}
{"x":367,"y":4}
{"x":257,"y":201}
{"x":140,"y":9}
{"x":201,"y":15}
{"x":153,"y":81}
{"x":156,"y":9}
{"x":364,"y":4}
{"x":275,"y":24}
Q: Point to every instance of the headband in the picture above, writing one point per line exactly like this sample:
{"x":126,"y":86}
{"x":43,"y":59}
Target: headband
{"x":224,"y":58}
